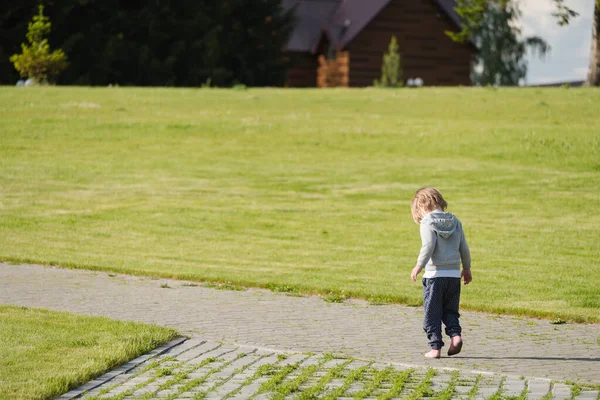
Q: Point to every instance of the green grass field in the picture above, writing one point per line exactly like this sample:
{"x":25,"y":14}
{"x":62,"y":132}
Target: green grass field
{"x":309,"y":190}
{"x":43,"y":353}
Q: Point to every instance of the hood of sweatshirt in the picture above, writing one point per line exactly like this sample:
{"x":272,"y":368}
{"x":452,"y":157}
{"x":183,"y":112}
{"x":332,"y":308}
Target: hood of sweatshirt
{"x":443,"y":223}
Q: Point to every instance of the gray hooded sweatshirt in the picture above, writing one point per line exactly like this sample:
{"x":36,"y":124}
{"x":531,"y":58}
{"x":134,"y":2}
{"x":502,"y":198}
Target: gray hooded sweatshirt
{"x":444,"y":245}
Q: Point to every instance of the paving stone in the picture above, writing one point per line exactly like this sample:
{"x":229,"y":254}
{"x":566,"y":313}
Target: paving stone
{"x":462,"y":389}
{"x":201,"y":348}
{"x":440,"y":382}
{"x":537,"y":389}
{"x":224,"y":389}
{"x":561,"y":391}
{"x":333,"y":384}
{"x":187,"y":395}
{"x":513,"y":387}
{"x":227,"y":384}
{"x":295,"y":358}
{"x":355,"y":387}
{"x":247,"y":391}
{"x":484,"y":393}
{"x":589,"y":395}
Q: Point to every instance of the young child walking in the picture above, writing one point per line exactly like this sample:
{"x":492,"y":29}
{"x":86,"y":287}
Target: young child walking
{"x":444,"y":248}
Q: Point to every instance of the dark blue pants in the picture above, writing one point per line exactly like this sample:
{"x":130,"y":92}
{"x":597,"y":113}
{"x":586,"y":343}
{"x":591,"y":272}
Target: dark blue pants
{"x":441,"y":297}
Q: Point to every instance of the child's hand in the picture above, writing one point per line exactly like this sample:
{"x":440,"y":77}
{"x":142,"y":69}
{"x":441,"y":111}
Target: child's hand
{"x":415,"y":272}
{"x":466,"y":275}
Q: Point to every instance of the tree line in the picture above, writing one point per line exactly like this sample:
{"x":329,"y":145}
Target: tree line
{"x":158,"y":42}
{"x":228,"y":42}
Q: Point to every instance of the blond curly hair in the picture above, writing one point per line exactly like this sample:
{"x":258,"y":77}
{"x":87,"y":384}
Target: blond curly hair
{"x":426,"y":200}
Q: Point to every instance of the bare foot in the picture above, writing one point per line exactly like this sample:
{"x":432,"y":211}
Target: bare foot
{"x":433,"y":354}
{"x":455,"y":346}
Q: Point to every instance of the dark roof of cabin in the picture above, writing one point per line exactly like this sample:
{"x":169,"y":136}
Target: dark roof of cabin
{"x":312,"y":17}
{"x":342,"y":20}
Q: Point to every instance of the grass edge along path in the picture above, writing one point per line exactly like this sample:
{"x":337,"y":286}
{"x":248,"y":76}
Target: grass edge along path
{"x":44,"y":353}
{"x":301,"y":290}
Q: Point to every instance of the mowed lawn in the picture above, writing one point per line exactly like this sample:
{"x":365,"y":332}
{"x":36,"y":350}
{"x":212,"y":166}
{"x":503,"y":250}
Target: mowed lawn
{"x":44,"y":353}
{"x":309,"y":190}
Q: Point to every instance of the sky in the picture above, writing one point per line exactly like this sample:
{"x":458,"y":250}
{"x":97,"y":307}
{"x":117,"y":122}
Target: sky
{"x":569,"y":58}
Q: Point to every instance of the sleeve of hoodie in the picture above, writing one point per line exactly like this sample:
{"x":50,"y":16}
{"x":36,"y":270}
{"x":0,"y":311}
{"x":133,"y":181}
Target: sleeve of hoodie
{"x":428,"y":241}
{"x":463,"y":249}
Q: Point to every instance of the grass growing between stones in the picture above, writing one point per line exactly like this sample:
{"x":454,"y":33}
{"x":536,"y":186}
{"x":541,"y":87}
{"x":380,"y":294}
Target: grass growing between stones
{"x":352,"y":376}
{"x":379,"y":376}
{"x":398,"y":385}
{"x":523,"y":394}
{"x":232,"y":372}
{"x":278,"y":377}
{"x":424,"y":387}
{"x":313,"y":392}
{"x":498,"y":394}
{"x":202,"y":394}
{"x":45,"y":353}
{"x":293,"y":385}
{"x":308,"y":191}
{"x":473,"y":392}
{"x":263,"y":370}
{"x":448,"y":392}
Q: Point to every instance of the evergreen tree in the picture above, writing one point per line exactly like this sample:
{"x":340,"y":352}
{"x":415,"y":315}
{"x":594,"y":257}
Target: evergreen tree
{"x":36,"y":61}
{"x":391,"y":68}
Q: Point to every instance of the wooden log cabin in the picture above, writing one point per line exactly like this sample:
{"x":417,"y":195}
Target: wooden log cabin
{"x":351,"y":36}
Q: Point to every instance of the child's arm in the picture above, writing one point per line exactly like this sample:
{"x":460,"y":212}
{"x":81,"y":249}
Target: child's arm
{"x":428,"y":241}
{"x":465,"y":256}
{"x":466,"y":275}
{"x":415,"y":272}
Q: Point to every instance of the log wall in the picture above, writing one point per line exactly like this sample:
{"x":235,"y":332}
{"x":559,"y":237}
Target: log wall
{"x":425,"y":49}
